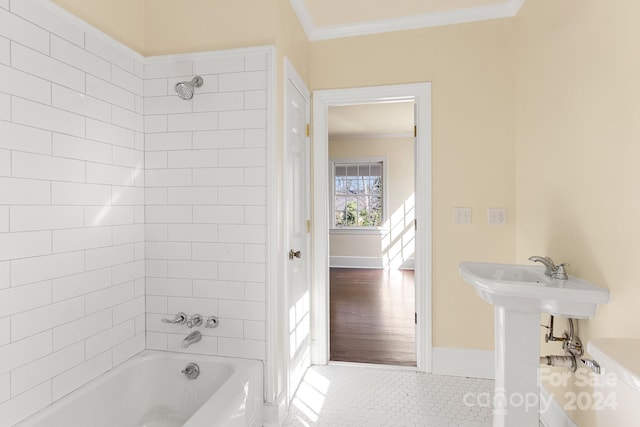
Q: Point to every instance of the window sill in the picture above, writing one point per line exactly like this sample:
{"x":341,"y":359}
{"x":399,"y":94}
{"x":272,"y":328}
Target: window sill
{"x":359,"y":231}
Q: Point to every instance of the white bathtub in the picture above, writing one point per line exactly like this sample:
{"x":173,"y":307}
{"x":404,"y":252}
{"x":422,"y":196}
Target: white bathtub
{"x":150,"y":391}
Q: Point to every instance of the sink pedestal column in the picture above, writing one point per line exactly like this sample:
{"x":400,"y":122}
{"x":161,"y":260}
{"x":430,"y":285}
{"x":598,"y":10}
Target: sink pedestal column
{"x":517,"y":360}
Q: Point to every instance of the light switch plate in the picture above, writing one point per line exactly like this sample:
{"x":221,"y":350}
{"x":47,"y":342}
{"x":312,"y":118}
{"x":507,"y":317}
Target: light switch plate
{"x":497,"y":216}
{"x":462,"y":215}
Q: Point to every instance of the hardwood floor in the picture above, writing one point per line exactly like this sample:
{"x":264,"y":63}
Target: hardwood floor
{"x":372,"y":316}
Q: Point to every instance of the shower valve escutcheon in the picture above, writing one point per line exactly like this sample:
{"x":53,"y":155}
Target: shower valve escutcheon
{"x":195,"y":320}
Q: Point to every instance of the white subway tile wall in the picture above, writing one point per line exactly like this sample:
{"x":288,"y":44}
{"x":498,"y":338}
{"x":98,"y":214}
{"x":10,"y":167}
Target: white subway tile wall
{"x":90,"y":241}
{"x":206,"y":201}
{"x":72,"y":266}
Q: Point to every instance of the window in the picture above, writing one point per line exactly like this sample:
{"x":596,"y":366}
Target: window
{"x":358,"y":193}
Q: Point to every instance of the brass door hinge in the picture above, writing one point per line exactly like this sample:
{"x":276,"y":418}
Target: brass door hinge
{"x":415,"y":131}
{"x":308,"y":130}
{"x":308,"y":226}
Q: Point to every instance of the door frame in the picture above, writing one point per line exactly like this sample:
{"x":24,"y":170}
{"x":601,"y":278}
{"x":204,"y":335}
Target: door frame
{"x":420,"y":93}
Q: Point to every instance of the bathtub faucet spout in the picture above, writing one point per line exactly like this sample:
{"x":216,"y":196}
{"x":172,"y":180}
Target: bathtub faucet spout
{"x":192,"y":338}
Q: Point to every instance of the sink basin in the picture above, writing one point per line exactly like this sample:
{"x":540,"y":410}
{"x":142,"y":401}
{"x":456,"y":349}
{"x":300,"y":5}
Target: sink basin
{"x":527,"y":288}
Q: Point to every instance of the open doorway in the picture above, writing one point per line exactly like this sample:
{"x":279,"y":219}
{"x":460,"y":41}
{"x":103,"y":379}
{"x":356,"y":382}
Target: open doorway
{"x":372,"y":233}
{"x":420,"y":96}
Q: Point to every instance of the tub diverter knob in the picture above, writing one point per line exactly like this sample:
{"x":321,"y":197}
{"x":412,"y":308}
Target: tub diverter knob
{"x":195,"y":320}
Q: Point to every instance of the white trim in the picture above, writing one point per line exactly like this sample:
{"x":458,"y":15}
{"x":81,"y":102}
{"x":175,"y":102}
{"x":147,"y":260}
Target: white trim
{"x":271,"y":365}
{"x":195,"y":56}
{"x":373,"y":366}
{"x":555,"y":415}
{"x":515,"y":6}
{"x":366,"y":262}
{"x":507,"y":9}
{"x":420,"y":93}
{"x":274,"y":414}
{"x":371,"y":135}
{"x":369,"y":231}
{"x":88,"y":28}
{"x":301,"y":11}
{"x":356,"y":262}
{"x":463,"y":362}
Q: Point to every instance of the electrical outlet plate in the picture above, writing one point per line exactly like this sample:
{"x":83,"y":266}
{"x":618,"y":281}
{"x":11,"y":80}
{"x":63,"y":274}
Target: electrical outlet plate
{"x":462,"y":215}
{"x":497,"y":216}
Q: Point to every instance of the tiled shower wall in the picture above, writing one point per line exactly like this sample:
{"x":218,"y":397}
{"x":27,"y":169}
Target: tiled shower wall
{"x":206,"y":198}
{"x":71,"y":207}
{"x":73,"y":218}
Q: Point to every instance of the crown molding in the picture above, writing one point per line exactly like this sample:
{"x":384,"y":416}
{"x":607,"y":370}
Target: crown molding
{"x":507,"y":9}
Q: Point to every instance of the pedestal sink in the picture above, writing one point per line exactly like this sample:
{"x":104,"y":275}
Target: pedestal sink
{"x":520,"y":293}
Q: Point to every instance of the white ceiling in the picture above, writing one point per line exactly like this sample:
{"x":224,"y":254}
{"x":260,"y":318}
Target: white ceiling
{"x":371,"y":120}
{"x":326,"y":19}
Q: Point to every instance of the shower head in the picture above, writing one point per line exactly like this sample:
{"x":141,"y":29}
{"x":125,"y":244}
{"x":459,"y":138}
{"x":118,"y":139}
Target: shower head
{"x":185,"y":89}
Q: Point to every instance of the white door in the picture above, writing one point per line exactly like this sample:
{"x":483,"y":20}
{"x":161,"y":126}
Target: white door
{"x":297,"y":189}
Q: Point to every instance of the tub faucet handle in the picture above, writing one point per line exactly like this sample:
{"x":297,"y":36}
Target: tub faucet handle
{"x":212,"y":322}
{"x":180,"y":319}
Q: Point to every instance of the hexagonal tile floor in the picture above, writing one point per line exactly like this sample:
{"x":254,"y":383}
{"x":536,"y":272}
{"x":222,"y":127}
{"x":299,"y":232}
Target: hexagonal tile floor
{"x":349,"y":396}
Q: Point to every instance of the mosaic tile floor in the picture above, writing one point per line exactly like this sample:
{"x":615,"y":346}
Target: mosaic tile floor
{"x":349,"y":396}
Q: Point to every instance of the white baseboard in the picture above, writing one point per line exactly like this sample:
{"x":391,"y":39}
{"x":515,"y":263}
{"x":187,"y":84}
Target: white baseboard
{"x":462,"y":362}
{"x":367,"y":262}
{"x":274,"y":414}
{"x":555,"y":416}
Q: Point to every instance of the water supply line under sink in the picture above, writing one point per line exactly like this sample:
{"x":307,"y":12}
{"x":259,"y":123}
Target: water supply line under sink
{"x":572,"y":345}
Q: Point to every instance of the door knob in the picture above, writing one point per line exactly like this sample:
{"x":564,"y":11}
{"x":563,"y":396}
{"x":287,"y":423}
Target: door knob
{"x":294,"y":254}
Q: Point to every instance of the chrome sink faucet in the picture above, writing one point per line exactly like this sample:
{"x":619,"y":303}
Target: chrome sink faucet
{"x":554,"y":271}
{"x":192,"y":338}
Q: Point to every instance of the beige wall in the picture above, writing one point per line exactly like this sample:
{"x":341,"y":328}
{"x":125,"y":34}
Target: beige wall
{"x":562,"y":80}
{"x":201,"y":25}
{"x":578,"y":145}
{"x":471,"y":71}
{"x":160,"y":27}
{"x":121,"y":19}
{"x":399,"y":153}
